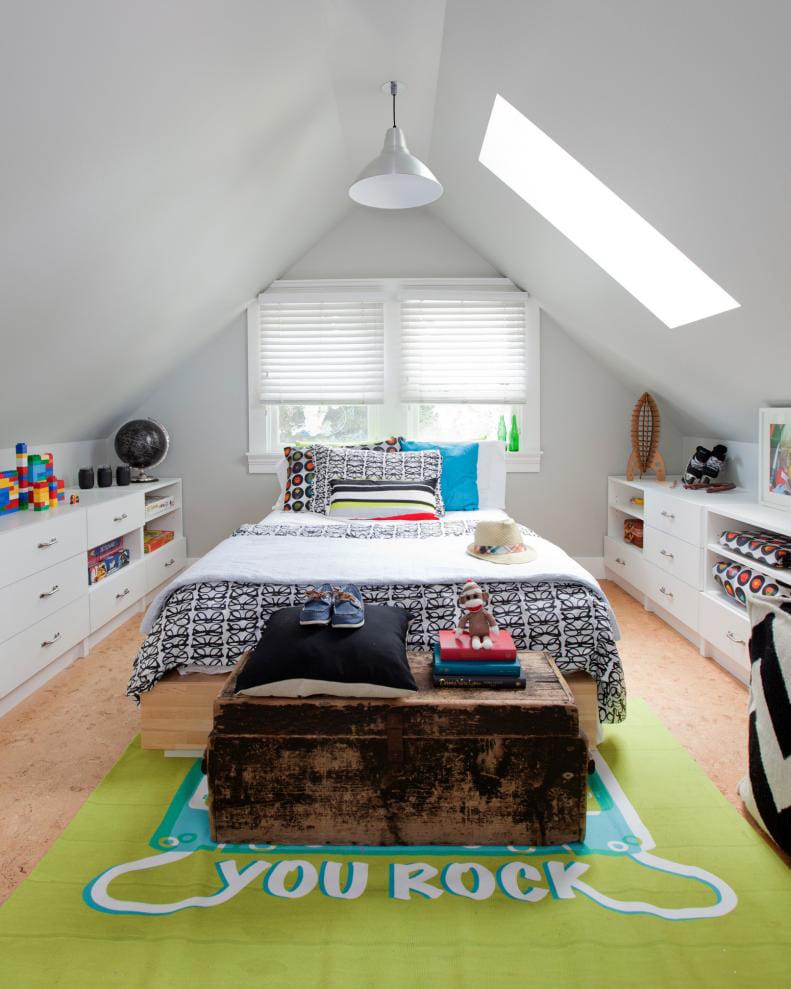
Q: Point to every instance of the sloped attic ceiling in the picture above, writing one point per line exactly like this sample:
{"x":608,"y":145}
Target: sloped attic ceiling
{"x":161,"y":163}
{"x":681,"y":108}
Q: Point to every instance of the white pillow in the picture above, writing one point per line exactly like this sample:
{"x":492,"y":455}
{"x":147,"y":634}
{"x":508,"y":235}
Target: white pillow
{"x":491,"y":474}
{"x":282,"y":476}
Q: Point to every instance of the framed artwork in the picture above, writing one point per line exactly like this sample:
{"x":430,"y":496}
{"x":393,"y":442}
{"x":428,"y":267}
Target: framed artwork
{"x":774,"y":449}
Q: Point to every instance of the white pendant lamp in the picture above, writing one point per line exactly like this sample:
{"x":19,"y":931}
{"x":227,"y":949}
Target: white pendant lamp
{"x":396,"y":179}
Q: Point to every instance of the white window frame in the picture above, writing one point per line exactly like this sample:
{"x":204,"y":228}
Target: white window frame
{"x":393,"y":417}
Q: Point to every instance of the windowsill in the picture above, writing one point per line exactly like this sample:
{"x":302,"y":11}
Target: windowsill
{"x":515,"y":463}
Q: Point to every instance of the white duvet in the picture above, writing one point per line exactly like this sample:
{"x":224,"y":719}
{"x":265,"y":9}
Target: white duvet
{"x":304,"y":560}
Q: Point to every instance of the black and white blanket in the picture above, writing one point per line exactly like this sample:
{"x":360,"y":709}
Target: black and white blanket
{"x":215,"y":611}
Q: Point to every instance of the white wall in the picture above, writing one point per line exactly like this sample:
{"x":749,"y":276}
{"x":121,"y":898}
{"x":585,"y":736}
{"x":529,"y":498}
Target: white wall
{"x":585,"y":409}
{"x":370,"y":243}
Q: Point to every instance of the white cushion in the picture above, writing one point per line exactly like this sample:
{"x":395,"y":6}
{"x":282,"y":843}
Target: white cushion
{"x":491,"y":474}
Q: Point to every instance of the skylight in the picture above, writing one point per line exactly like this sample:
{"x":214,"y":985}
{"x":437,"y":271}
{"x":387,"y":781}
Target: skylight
{"x":601,"y":224}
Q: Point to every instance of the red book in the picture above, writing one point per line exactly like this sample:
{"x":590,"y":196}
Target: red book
{"x":453,"y":648}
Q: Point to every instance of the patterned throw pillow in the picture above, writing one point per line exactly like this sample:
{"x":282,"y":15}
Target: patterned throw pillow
{"x":403,"y":501}
{"x":346,"y":463}
{"x":300,"y":476}
{"x":766,"y":790}
{"x":738,"y":581}
{"x":764,"y":547}
{"x":300,"y":472}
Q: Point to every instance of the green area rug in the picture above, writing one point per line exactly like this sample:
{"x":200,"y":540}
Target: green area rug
{"x":670,"y":888}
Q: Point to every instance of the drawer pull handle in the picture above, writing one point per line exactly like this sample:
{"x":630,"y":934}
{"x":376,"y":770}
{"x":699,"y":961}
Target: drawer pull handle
{"x":619,"y":560}
{"x":732,"y":637}
{"x":52,"y":641}
{"x":48,"y":594}
{"x":667,"y":515}
{"x":664,"y":552}
{"x":170,"y":562}
{"x":48,"y":543}
{"x":120,"y":518}
{"x":666,"y":592}
{"x":122,"y":594}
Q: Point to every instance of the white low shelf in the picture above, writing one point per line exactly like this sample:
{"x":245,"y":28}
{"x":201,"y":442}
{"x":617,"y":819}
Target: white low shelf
{"x":49,"y":614}
{"x":672,"y":573}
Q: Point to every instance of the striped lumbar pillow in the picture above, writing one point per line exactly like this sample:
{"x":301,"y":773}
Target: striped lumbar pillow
{"x":408,"y":501}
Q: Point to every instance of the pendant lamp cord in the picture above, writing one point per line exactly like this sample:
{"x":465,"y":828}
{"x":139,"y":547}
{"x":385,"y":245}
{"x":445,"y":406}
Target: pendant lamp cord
{"x":394,"y":117}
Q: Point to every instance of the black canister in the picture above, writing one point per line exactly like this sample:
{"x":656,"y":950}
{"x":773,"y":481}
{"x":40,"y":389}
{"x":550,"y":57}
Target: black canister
{"x":104,"y":476}
{"x":122,"y":475}
{"x":85,"y":477}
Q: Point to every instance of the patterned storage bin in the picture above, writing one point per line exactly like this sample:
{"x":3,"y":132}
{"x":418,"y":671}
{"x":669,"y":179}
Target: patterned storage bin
{"x":763,"y":547}
{"x":737,"y":581}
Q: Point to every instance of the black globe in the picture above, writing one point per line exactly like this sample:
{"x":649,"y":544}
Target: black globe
{"x":142,"y":443}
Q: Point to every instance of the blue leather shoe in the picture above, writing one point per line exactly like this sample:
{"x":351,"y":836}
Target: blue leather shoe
{"x":347,"y":608}
{"x":317,"y":606}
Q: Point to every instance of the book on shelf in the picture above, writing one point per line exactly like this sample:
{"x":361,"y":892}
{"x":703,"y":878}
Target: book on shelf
{"x":159,"y":503}
{"x":459,"y":648}
{"x":110,"y":564}
{"x":99,"y":553}
{"x":469,"y":667}
{"x":154,"y":538}
{"x":481,"y":683}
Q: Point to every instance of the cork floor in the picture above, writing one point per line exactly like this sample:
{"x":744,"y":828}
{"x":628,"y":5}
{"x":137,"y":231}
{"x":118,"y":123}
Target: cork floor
{"x":57,"y":745}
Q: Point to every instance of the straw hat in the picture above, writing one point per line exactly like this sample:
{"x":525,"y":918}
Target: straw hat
{"x":500,"y":542}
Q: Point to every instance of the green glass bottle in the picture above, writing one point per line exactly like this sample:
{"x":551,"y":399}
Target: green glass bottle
{"x":502,"y":433}
{"x":513,"y":436}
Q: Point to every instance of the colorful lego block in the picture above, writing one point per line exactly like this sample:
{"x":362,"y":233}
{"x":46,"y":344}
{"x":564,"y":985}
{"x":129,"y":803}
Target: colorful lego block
{"x":21,"y":468}
{"x":9,"y":492}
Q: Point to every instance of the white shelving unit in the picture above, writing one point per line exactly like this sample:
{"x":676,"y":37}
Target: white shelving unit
{"x":49,"y":613}
{"x":672,"y":573}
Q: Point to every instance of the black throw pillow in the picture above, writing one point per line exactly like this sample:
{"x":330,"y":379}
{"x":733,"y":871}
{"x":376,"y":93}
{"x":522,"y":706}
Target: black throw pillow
{"x":292,"y":660}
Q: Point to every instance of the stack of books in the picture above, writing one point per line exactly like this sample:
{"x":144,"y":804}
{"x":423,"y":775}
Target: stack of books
{"x":155,"y":538}
{"x":457,"y":664}
{"x":106,"y":559}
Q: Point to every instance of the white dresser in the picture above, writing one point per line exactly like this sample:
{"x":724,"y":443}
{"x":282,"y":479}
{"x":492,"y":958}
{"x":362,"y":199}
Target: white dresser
{"x":49,"y":614}
{"x":672,"y":573}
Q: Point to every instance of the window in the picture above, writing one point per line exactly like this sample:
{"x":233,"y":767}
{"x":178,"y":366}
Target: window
{"x":346,"y":362}
{"x":601,"y":224}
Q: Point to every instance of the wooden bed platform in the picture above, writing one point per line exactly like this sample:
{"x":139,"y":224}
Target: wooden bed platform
{"x":177,"y":714}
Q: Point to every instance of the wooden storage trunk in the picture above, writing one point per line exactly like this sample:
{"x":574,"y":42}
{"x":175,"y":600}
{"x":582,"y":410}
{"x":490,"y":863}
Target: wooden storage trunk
{"x":450,"y":766}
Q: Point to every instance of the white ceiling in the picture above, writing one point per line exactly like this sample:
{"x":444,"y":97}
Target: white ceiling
{"x":161,"y":163}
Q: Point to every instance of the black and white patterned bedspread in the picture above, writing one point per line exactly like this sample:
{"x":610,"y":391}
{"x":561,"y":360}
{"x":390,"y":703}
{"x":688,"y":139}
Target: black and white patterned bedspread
{"x":212,"y":623}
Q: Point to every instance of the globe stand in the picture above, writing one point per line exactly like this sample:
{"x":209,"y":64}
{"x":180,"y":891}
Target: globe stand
{"x":138,"y":476}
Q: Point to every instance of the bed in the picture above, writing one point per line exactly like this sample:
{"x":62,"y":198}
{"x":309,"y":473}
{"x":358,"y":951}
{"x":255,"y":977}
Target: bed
{"x":212,"y":613}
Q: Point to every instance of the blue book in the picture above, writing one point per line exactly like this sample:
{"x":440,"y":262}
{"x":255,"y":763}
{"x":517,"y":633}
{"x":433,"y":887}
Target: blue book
{"x":474,"y":668}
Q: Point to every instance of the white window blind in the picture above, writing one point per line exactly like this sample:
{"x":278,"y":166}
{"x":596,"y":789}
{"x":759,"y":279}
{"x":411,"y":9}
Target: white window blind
{"x":464,"y":350}
{"x":320,"y":352}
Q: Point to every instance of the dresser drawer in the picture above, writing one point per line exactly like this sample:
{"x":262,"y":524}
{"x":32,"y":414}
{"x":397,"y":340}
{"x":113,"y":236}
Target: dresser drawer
{"x":672,"y":594}
{"x":114,"y":594}
{"x":114,"y":518}
{"x":674,"y":516}
{"x":28,"y":601}
{"x":165,"y":563}
{"x":725,"y":629}
{"x":625,"y":561}
{"x":673,"y":555}
{"x":41,"y":644}
{"x":38,"y":545}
